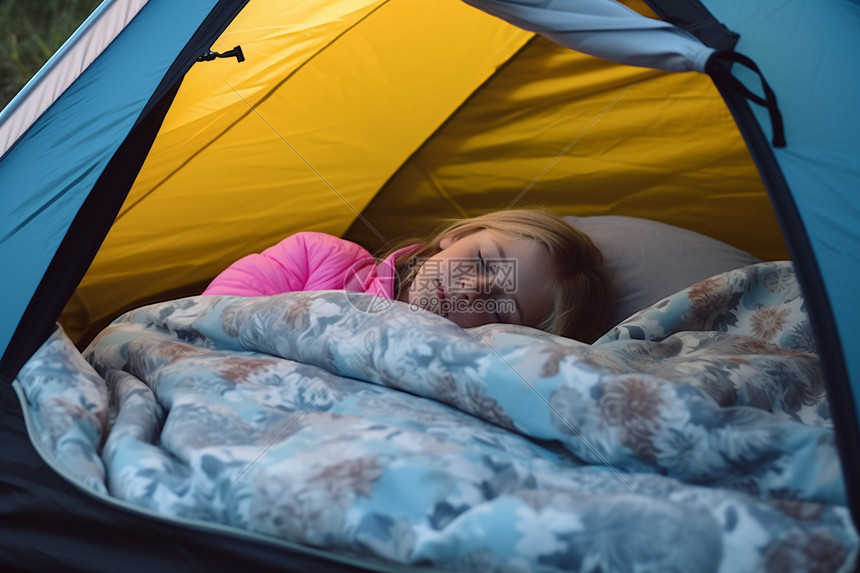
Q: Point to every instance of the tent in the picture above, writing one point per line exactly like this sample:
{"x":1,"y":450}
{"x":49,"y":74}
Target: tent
{"x":166,"y":139}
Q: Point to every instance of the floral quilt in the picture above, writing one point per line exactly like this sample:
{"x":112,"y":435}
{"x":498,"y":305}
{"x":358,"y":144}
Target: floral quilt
{"x":695,"y":436}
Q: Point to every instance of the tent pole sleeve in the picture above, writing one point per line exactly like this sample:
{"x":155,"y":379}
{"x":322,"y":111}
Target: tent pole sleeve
{"x":693,"y":17}
{"x":605,"y":29}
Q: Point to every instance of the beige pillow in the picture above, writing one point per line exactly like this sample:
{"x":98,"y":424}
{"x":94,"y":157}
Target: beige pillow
{"x":649,"y":261}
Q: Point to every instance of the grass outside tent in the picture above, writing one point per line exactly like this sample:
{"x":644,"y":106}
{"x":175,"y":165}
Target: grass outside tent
{"x":30,"y":32}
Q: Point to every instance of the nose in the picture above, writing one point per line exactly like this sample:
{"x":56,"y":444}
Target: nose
{"x":477,"y":287}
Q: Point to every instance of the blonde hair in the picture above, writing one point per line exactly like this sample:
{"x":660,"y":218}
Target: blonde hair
{"x":583,"y":290}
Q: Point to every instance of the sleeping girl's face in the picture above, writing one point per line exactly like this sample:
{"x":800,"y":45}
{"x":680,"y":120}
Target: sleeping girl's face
{"x":486,"y":276}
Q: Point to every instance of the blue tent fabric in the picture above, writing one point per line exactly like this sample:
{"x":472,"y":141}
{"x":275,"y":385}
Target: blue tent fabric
{"x":86,"y":125}
{"x":821,"y":163}
{"x":813,"y":179}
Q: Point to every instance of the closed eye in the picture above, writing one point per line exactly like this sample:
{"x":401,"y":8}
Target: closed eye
{"x":486,"y":267}
{"x":487,"y":270}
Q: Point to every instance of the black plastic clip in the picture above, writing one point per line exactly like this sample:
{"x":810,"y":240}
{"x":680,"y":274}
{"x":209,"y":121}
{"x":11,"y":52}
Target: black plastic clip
{"x":235,"y":52}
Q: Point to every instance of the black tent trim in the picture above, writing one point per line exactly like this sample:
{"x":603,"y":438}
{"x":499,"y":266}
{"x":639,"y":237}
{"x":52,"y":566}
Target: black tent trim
{"x":97,"y":213}
{"x":820,"y":312}
{"x":51,"y":524}
{"x":837,"y":382}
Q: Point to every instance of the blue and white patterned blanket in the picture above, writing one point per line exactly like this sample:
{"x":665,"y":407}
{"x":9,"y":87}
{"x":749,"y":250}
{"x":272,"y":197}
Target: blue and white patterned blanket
{"x":695,"y":436}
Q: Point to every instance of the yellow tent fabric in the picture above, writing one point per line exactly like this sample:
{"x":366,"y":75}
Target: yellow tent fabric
{"x":372,"y":119}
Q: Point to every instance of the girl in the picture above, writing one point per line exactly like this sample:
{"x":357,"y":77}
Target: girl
{"x":524,"y":266}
